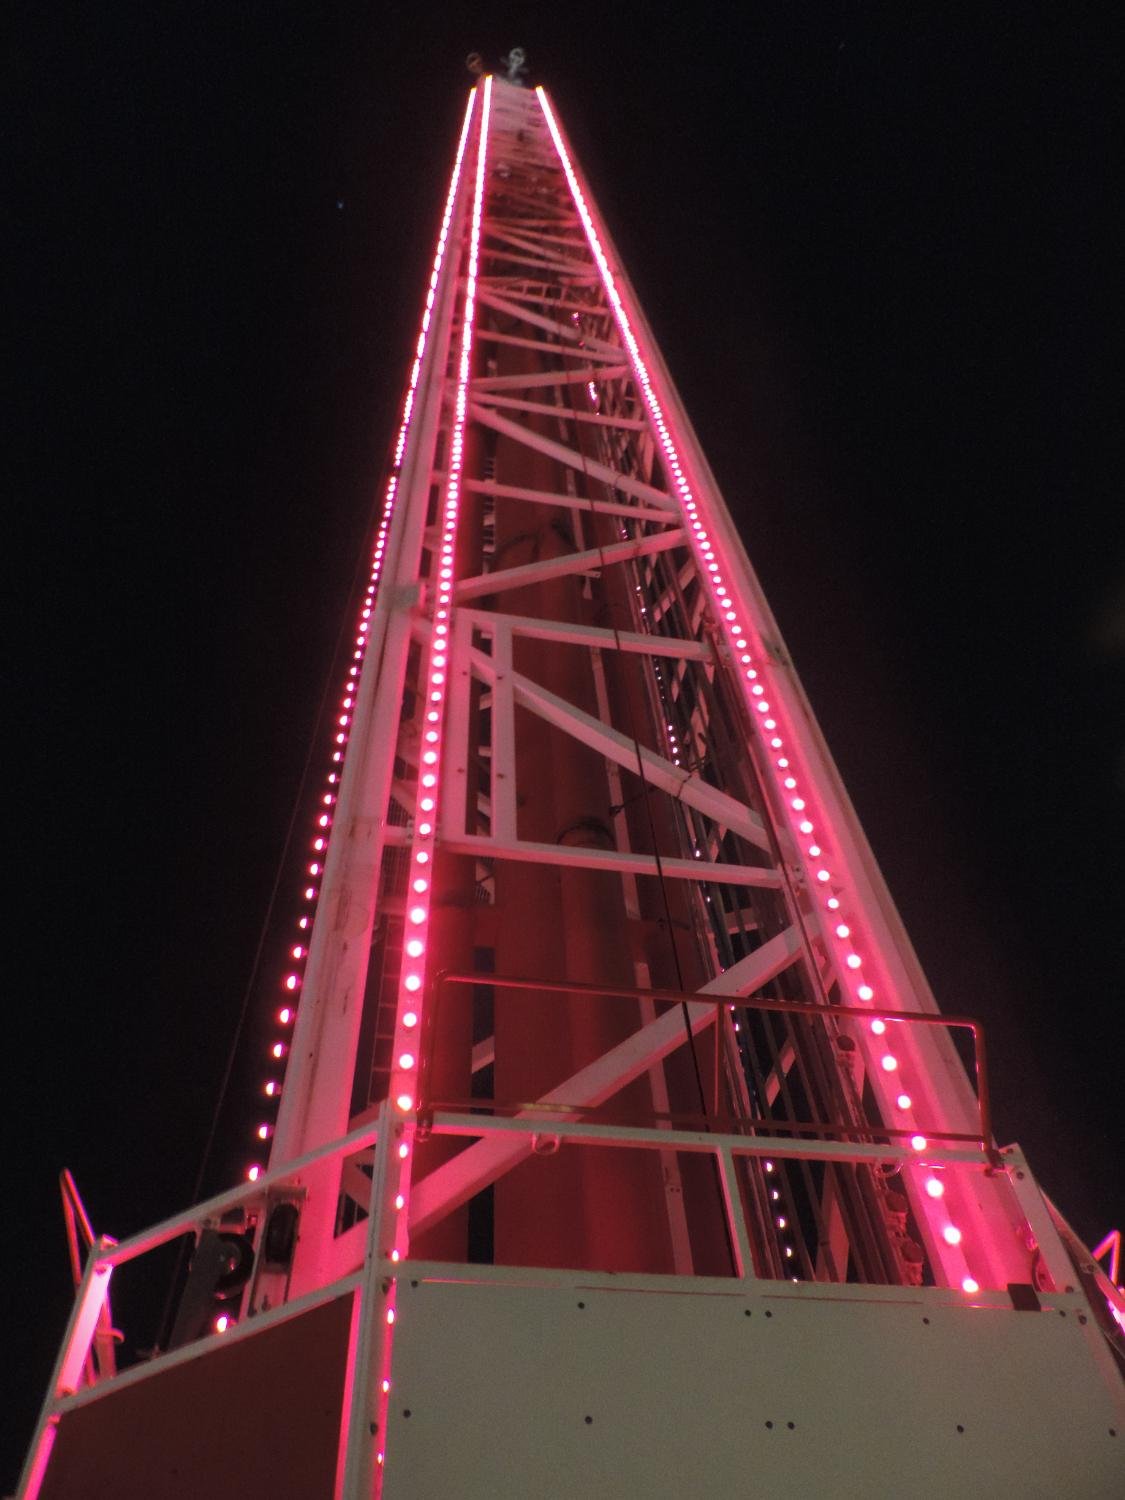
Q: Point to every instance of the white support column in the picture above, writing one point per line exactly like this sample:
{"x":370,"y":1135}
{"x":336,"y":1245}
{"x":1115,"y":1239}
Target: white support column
{"x":363,"y":1427}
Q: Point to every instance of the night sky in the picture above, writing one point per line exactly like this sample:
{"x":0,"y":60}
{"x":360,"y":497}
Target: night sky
{"x":877,"y":247}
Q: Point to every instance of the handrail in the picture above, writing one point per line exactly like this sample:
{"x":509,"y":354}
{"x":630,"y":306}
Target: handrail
{"x":747,"y":1002}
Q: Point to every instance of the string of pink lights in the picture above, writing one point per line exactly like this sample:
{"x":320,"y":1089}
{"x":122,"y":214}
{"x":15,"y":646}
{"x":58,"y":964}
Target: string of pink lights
{"x":790,"y":786}
{"x":440,"y":598}
{"x":294,"y":977}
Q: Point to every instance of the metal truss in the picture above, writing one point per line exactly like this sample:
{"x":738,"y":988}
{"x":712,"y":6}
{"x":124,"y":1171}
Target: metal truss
{"x":563,"y":595}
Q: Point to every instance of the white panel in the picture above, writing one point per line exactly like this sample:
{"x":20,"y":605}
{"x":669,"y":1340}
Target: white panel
{"x":550,"y":1392}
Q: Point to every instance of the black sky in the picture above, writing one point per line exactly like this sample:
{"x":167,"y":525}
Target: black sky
{"x":877,"y":245}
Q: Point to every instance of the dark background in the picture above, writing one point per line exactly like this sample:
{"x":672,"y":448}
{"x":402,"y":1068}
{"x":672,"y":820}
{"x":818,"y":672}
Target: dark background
{"x":876,"y":246}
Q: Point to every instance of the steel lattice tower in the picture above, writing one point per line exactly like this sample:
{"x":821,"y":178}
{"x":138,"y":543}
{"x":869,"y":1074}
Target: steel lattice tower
{"x":620,"y":1146}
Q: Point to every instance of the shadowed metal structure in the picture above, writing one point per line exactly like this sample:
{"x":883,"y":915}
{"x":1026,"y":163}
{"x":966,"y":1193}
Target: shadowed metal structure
{"x":620,"y":1147}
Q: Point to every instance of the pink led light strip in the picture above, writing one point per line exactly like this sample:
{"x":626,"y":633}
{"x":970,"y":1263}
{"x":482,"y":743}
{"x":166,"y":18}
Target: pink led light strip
{"x":789,"y":784}
{"x":292,"y":981}
{"x":435,"y":675}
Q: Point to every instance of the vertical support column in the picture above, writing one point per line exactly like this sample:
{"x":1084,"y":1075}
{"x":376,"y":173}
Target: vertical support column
{"x":364,"y":1418}
{"x":317,"y":1091}
{"x":66,"y":1376}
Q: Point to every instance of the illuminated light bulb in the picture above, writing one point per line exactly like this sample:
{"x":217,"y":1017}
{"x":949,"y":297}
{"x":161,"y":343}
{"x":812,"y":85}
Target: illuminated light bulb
{"x":403,"y":1151}
{"x":222,"y":1323}
{"x":425,"y":829}
{"x":272,"y":1089}
{"x":263,"y":1132}
{"x":432,"y":736}
{"x":878,"y":1027}
{"x":843,"y":930}
{"x":782,"y":1221}
{"x":790,"y":782}
{"x":310,"y":893}
{"x":320,"y":845}
{"x":833,"y":903}
{"x":291,"y":981}
{"x":430,"y":758}
{"x":764,"y":708}
{"x":394,"y":1255}
{"x":285,"y":1015}
{"x":429,"y":779}
{"x":935,"y":1188}
{"x":390,"y":1314}
{"x":771,"y":724}
{"x":323,"y":820}
{"x":278,"y":1049}
{"x":774,"y":1195}
{"x":417,"y":914}
{"x":314,"y":868}
{"x":904,"y":1101}
{"x":889,"y":1063}
{"x":814,"y":851}
{"x":853,"y":961}
{"x":865,"y":992}
{"x":776,"y":743}
{"x":399,"y":1201}
{"x":421,"y":885}
{"x":821,"y":875}
{"x":405,"y":1101}
{"x":410,"y":1020}
{"x":303,"y":924}
{"x":788,"y":1252}
{"x":415,"y":947}
{"x":805,"y":826}
{"x":253,"y":1173}
{"x":406,"y":1061}
{"x":768,"y":1166}
{"x":919,"y":1142}
{"x":757,"y":690}
{"x":413,"y":982}
{"x":797,"y":804}
{"x":970,"y":1284}
{"x":783,"y":762}
{"x":386,"y":1386}
{"x":427,"y":804}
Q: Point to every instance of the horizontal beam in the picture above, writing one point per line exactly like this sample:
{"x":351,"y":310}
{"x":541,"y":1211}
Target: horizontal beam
{"x":535,"y":378}
{"x":658,"y":771}
{"x":458,"y":1180}
{"x":524,"y":851}
{"x":563,"y":413}
{"x":493,"y":336}
{"x":698,"y":1142}
{"x":593,"y":468}
{"x":666,"y":515}
{"x":565,"y":632}
{"x":566,"y":332}
{"x":484,"y":584}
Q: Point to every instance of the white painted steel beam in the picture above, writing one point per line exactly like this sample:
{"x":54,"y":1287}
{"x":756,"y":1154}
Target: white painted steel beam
{"x":566,"y":332}
{"x":525,"y":851}
{"x":457,"y":1180}
{"x":592,"y":560}
{"x":665,"y":515}
{"x":493,"y":336}
{"x":682,"y":784}
{"x":593,"y":468}
{"x":532,"y":379}
{"x":561,"y":413}
{"x":597,"y":637}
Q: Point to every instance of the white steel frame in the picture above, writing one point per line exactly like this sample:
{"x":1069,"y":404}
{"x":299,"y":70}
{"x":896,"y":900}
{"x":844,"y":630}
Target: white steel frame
{"x":561,"y":268}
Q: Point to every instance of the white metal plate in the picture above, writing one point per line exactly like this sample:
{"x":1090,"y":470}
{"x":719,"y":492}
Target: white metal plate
{"x":597,"y":1391}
